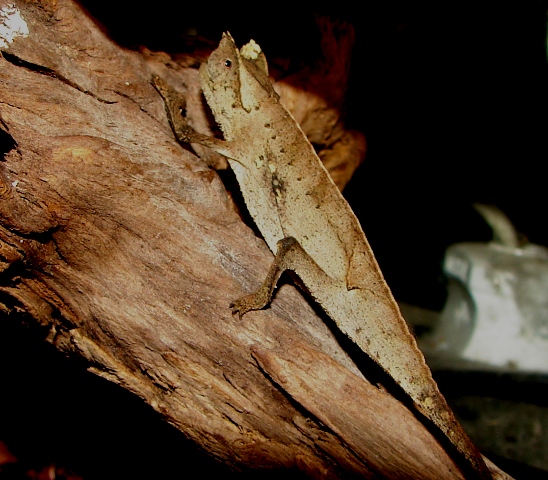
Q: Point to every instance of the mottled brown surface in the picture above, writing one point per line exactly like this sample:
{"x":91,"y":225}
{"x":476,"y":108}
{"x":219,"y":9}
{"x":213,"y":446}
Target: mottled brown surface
{"x":125,"y":246}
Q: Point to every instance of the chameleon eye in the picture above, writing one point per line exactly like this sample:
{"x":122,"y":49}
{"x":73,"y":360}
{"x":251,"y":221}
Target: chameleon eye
{"x":228,"y":63}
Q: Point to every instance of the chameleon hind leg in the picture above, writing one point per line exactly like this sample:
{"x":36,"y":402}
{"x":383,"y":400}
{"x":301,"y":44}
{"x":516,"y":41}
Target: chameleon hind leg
{"x":290,"y":255}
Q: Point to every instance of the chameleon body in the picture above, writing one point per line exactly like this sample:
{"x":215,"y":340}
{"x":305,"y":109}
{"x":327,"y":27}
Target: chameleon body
{"x":306,"y":221}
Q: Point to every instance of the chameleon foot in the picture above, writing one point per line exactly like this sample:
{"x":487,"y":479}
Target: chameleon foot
{"x":253,"y":301}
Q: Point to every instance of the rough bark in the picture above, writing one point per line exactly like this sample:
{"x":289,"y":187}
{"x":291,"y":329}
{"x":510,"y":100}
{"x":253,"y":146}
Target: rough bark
{"x":126,"y":247}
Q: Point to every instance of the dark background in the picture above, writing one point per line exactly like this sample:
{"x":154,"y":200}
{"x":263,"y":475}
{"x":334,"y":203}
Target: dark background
{"x":452,"y":98}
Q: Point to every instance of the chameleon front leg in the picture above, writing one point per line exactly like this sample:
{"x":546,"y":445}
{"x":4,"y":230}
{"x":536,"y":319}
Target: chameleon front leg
{"x":175,"y":104}
{"x":290,"y":255}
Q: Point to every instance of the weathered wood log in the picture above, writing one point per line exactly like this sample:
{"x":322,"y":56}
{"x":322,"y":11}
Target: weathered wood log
{"x":126,"y":247}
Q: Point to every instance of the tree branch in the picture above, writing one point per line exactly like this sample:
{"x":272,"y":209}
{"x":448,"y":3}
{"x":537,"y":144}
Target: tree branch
{"x":127,"y":248}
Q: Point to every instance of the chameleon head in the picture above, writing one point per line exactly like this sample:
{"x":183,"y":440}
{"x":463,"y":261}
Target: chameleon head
{"x":221,"y":79}
{"x":235,"y":82}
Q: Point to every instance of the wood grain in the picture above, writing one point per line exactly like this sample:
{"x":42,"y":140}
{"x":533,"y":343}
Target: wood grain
{"x":126,"y":247}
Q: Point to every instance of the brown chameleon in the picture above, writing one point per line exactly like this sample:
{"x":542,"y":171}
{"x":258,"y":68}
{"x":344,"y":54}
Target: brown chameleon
{"x":308,"y":224}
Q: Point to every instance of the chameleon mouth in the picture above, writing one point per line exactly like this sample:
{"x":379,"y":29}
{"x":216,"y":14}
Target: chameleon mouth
{"x":205,"y":75}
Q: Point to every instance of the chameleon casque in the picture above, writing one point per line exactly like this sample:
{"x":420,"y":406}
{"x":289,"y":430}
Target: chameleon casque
{"x":308,"y":224}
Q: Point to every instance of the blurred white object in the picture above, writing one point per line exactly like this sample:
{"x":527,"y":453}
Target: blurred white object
{"x":496,"y":315}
